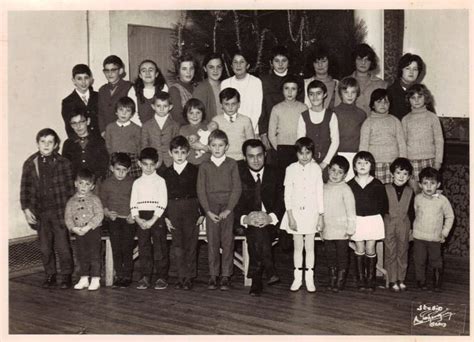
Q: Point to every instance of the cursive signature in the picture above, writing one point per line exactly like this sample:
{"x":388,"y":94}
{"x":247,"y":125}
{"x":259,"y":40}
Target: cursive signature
{"x":434,"y":316}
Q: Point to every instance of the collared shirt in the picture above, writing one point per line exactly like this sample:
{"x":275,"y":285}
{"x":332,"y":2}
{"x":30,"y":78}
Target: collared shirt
{"x":161,"y":120}
{"x":179,"y":167}
{"x":218,"y":161}
{"x":84,"y":96}
{"x":230,"y":118}
{"x":123,"y":124}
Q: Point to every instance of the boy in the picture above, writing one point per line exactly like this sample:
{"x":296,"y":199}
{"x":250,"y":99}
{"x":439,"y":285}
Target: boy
{"x":272,"y":90}
{"x":46,"y":185}
{"x":434,"y":219}
{"x":339,"y":221}
{"x":124,"y":135}
{"x":237,"y":127}
{"x":115,"y":194}
{"x":248,"y":86}
{"x":183,"y":211}
{"x":147,"y":203}
{"x":85,"y":151}
{"x":400,"y":213}
{"x":109,"y":93}
{"x":158,"y":131}
{"x":218,"y":190}
{"x":82,"y":97}
{"x":83,"y":217}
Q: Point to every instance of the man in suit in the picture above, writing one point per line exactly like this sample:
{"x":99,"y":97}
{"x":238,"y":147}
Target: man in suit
{"x":259,"y":210}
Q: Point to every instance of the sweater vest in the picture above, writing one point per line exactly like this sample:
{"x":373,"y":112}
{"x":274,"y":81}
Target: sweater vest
{"x":398,"y":209}
{"x":319,"y":133}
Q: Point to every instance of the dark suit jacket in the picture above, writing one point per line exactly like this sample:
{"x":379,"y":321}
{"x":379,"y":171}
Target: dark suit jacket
{"x":74,"y":101}
{"x":272,"y":192}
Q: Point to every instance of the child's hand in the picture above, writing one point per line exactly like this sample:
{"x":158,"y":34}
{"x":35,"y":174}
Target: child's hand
{"x":437,"y":166}
{"x":112,"y":215}
{"x":323,"y":165}
{"x":200,"y":220}
{"x":130,"y":219}
{"x":215,"y":218}
{"x":30,"y":217}
{"x":292,"y":223}
{"x":442,"y":238}
{"x":140,"y":222}
{"x":265,"y":141}
{"x":320,"y":226}
{"x":224,"y":214}
{"x":169,"y":225}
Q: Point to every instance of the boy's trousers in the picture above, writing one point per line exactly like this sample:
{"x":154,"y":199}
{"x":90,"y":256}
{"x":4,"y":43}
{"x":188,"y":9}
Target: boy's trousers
{"x":122,"y":235}
{"x":183,"y":214}
{"x":89,"y":253}
{"x":153,"y":257}
{"x":53,"y":235}
{"x":220,"y":235}
{"x":397,"y":233}
{"x":336,"y":253}
{"x":423,"y":249}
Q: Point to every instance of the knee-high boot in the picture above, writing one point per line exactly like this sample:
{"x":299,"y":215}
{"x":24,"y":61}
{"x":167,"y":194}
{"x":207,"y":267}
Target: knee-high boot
{"x":360,"y":271}
{"x":298,"y":279}
{"x":309,"y":279}
{"x":371,"y":264}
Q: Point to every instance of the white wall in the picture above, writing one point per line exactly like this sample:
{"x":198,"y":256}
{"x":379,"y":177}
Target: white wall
{"x":441,"y":38}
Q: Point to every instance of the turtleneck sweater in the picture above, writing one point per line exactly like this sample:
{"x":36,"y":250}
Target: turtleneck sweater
{"x":350,"y":119}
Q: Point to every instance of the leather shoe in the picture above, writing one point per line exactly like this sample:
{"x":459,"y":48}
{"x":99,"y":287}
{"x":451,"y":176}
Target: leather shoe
{"x":188,"y":284}
{"x":256,"y":288}
{"x":50,"y":281}
{"x":273,"y":280}
{"x":66,"y":283}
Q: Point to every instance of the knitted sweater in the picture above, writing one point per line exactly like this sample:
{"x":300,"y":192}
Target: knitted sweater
{"x":367,"y":86}
{"x":283,"y":124}
{"x":149,"y":193}
{"x":434,"y":217}
{"x":160,"y":138}
{"x":331,"y":85}
{"x":123,"y":139}
{"x":423,"y":135}
{"x":82,"y":210}
{"x":108,"y":96}
{"x":205,"y":93}
{"x":237,"y":132}
{"x":115,"y":195}
{"x":350,"y":119}
{"x":180,"y":92}
{"x":340,"y":212}
{"x":382,"y":135}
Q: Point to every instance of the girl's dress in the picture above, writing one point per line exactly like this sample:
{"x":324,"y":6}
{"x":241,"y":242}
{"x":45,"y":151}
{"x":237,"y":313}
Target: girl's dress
{"x":369,"y":210}
{"x":304,"y":196}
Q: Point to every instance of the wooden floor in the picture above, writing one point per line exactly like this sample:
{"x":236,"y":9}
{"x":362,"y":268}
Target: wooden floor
{"x":34,"y":310}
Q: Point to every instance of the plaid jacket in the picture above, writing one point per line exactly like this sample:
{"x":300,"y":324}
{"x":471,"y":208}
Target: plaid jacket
{"x":62,"y":181}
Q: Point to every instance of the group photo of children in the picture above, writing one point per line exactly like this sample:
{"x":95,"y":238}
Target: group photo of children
{"x":334,"y":180}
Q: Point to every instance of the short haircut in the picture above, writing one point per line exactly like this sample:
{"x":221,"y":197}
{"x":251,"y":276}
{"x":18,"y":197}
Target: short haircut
{"x":85,"y":174}
{"x":210,"y":56}
{"x":340,"y":161}
{"x":113,"y":59}
{"x":367,"y":156}
{"x":194,"y":104}
{"x":218,"y":134}
{"x":81,"y":69}
{"x":149,"y":153}
{"x":252,"y":143}
{"x":317,"y":84}
{"x":364,"y":50}
{"x":420,"y":89}
{"x":121,"y":159}
{"x":48,"y":131}
{"x":348,"y":82}
{"x":279,"y":50}
{"x":377,"y":95}
{"x":179,"y":142}
{"x":228,"y":94}
{"x":429,"y":173}
{"x":126,"y":102}
{"x":304,"y":142}
{"x":319,"y":53}
{"x":406,"y":60}
{"x":82,"y":111}
{"x":290,"y":78}
{"x":163,"y":96}
{"x":402,"y":164}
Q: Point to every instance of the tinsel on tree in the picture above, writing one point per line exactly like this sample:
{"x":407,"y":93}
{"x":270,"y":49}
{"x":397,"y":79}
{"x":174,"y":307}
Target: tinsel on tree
{"x":256,"y":32}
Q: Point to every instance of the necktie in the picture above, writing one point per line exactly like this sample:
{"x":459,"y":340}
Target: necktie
{"x":84,"y":98}
{"x":258,"y":194}
{"x":231,"y":119}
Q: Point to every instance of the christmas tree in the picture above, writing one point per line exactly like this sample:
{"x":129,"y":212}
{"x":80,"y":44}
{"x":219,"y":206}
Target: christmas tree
{"x":256,"y":32}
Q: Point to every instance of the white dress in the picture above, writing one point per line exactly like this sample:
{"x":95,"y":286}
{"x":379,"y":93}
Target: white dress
{"x":304,"y":196}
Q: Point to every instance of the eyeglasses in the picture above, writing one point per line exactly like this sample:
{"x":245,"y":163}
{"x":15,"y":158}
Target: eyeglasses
{"x":77,"y":123}
{"x":110,"y":70}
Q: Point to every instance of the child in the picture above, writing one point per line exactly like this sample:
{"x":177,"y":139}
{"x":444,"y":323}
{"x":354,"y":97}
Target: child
{"x":237,"y":127}
{"x":249,"y":88}
{"x":82,"y":97}
{"x":158,"y":131}
{"x":83,"y":217}
{"x":350,"y":119}
{"x":304,"y":210}
{"x":397,"y":222}
{"x":283,"y":124}
{"x":218,"y":190}
{"x":369,"y":195}
{"x":86,"y":151}
{"x":115,"y":194}
{"x":150,"y":81}
{"x":423,"y":133}
{"x":320,"y":125}
{"x":183,"y":211}
{"x":147,"y":203}
{"x":111,"y":92}
{"x":203,"y":137}
{"x":433,"y":220}
{"x":382,"y":135}
{"x":339,"y":221}
{"x":46,"y":185}
{"x":124,"y":135}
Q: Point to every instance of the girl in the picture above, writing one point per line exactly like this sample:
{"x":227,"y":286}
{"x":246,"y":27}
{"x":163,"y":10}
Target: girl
{"x":422,"y":129}
{"x":194,"y":114}
{"x":304,"y":210}
{"x":382,"y":135}
{"x":410,"y":70}
{"x":369,"y":194}
{"x":150,"y":81}
{"x":181,"y":91}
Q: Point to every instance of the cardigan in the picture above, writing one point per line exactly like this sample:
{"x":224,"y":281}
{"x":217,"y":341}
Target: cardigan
{"x":181,"y":185}
{"x":123,"y":139}
{"x":205,"y":93}
{"x":82,"y":210}
{"x":283,"y":125}
{"x":109,"y":94}
{"x":237,"y":132}
{"x":370,"y":199}
{"x":398,"y":103}
{"x":340,"y":211}
{"x":367,"y":86}
{"x":154,"y":136}
{"x":434,"y":217}
{"x":180,"y":93}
